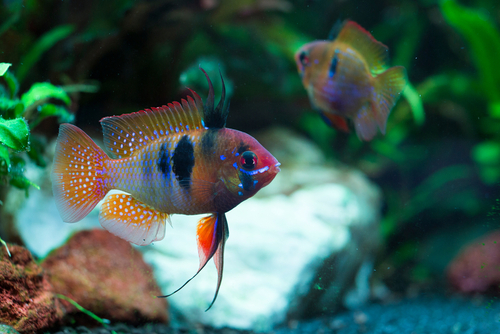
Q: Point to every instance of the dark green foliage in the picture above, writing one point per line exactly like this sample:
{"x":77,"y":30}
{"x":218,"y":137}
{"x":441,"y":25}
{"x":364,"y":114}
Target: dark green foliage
{"x":17,"y":117}
{"x":484,"y":42}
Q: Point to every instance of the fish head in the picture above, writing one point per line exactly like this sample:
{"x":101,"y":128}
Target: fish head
{"x":309,"y":60}
{"x":247,"y":166}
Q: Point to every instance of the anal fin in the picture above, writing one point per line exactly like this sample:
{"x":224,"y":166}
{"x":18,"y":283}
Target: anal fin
{"x":129,"y":219}
{"x":212,"y":233}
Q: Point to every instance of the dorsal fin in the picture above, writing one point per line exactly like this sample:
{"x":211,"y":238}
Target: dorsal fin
{"x":336,"y":28}
{"x":215,"y":118}
{"x":126,"y":133}
{"x":375,"y":53}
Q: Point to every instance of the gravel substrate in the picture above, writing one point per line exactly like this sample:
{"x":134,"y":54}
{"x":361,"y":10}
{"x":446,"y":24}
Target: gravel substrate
{"x":422,"y":315}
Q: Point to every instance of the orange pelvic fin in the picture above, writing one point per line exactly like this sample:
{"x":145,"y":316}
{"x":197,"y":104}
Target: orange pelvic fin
{"x":212,"y":234}
{"x":132,"y":220}
{"x":388,"y":86}
{"x":336,"y":121}
{"x":77,"y":174}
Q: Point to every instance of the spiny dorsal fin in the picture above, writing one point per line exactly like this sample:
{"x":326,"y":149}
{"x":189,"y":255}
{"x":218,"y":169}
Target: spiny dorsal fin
{"x":215,"y":118}
{"x":126,"y":133}
{"x":375,"y":53}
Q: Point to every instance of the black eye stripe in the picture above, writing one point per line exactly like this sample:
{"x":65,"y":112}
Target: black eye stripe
{"x":248,"y":160}
{"x":304,"y":59}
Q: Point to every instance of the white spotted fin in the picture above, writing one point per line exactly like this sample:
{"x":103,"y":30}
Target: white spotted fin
{"x":132,"y":220}
{"x":77,"y":174}
{"x":126,"y":133}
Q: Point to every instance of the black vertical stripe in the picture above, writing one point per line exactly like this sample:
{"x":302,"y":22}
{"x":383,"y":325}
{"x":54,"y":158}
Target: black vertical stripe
{"x":183,"y":161}
{"x":208,"y":141}
{"x":163,"y":162}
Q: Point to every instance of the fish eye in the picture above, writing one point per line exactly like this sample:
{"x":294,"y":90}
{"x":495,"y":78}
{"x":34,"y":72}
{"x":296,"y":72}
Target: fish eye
{"x":304,"y":59}
{"x":248,"y":160}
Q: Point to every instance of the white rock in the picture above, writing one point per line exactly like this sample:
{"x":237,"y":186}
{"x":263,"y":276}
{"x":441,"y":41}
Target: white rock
{"x":275,"y":248}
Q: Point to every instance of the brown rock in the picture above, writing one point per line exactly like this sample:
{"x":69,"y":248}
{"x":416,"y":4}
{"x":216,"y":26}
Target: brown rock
{"x":27,"y":302}
{"x":107,"y":276}
{"x":477,"y":267}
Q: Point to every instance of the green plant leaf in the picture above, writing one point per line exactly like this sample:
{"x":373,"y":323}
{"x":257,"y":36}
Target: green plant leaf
{"x":43,"y":44}
{"x":3,"y":68}
{"x":12,"y":83}
{"x":487,"y":156}
{"x":7,"y":248}
{"x":8,"y":104}
{"x":415,"y":102}
{"x":4,"y":160}
{"x":50,"y":109}
{"x":487,"y":152}
{"x":484,"y":41}
{"x":43,"y":90}
{"x":15,"y":134}
{"x":37,"y":148}
{"x":13,"y":15}
{"x":17,"y":178}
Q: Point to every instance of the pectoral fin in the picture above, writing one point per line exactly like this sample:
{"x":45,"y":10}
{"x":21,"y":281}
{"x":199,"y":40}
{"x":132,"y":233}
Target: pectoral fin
{"x":212,"y":234}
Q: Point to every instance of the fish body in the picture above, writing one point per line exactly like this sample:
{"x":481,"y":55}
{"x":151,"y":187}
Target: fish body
{"x":175,"y":159}
{"x":347,"y":78}
{"x":190,"y":172}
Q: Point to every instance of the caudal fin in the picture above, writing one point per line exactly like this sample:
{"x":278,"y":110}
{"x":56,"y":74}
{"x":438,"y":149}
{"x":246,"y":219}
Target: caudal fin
{"x":77,"y":174}
{"x":388,"y":87}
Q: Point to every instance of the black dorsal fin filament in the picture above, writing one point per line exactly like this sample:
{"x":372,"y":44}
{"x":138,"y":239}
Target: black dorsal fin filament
{"x":215,"y":118}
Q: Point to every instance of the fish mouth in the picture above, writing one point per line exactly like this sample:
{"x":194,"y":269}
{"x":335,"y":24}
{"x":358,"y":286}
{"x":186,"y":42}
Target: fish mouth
{"x":276,"y":169}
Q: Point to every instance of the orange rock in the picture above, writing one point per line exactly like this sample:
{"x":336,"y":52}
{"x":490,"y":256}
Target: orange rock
{"x":27,"y":302}
{"x":477,"y":267}
{"x":107,"y":276}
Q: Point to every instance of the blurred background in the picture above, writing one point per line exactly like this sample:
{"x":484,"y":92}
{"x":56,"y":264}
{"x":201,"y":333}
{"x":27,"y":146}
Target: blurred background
{"x":438,"y":165}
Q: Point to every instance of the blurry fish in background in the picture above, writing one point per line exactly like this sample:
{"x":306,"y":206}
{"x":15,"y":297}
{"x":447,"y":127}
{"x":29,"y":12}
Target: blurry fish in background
{"x":338,"y":75}
{"x":175,"y":159}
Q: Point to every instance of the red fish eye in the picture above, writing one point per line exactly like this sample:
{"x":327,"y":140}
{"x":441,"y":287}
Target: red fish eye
{"x":304,"y":59}
{"x":248,"y":160}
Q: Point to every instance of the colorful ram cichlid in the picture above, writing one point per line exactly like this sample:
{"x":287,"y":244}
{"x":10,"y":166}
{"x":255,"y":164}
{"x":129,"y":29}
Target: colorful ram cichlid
{"x":338,"y":75}
{"x":175,"y":159}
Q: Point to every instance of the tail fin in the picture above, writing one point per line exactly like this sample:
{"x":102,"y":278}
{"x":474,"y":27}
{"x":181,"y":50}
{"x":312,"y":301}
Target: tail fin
{"x":77,"y":174}
{"x":388,"y":86}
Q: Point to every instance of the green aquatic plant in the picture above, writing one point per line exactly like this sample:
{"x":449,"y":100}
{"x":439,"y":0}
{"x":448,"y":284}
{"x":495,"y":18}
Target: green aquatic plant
{"x":483,"y":39}
{"x":20,"y":114}
{"x":102,"y":321}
